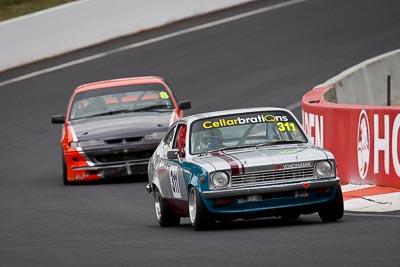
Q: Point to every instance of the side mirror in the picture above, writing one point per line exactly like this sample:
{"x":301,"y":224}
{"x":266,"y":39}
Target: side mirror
{"x":185,"y":104}
{"x":172,"y":154}
{"x":57,"y":119}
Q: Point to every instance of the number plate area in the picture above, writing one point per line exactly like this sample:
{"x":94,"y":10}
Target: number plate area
{"x":258,"y":197}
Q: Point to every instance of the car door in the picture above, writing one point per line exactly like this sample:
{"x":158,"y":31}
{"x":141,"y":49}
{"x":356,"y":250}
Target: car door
{"x":159,"y":166}
{"x":175,"y":181}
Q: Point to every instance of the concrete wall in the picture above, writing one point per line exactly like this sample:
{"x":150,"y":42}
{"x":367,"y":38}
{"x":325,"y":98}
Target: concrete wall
{"x":87,"y":22}
{"x":362,"y":133}
{"x":366,"y":83}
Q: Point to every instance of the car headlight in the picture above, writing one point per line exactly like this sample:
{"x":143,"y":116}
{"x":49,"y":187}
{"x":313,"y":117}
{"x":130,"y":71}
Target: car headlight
{"x":86,"y":143}
{"x":323,"y":169}
{"x":155,"y":136}
{"x":220,"y":179}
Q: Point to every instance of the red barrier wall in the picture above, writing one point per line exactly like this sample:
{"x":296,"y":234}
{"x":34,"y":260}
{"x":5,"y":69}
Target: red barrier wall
{"x":364,"y":139}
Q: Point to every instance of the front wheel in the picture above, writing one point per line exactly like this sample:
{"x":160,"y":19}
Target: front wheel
{"x":200,"y":217}
{"x":165,"y":216}
{"x":334,"y":210}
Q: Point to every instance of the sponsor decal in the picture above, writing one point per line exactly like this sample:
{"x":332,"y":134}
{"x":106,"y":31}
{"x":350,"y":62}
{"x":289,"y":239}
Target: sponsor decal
{"x":363,"y":144}
{"x":313,"y":125}
{"x":388,"y":143}
{"x":268,"y":118}
{"x":278,"y":166}
{"x":80,"y":176}
{"x":378,"y":144}
{"x":173,"y":176}
{"x":297,"y":165}
{"x":302,"y":193}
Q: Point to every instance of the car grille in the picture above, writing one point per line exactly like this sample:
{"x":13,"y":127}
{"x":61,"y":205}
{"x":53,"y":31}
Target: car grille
{"x":138,"y":155}
{"x":267,"y":177}
{"x":123,"y":140}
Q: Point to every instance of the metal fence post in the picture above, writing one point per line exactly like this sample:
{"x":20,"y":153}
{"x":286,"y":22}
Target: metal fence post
{"x":389,"y":78}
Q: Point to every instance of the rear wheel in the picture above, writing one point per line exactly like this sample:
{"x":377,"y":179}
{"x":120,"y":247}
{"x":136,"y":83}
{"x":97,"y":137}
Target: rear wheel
{"x":200,"y":217}
{"x":334,"y":210}
{"x":165,"y":216}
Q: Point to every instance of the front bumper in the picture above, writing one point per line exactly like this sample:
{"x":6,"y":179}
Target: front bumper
{"x":271,"y":188}
{"x":115,"y":169}
{"x":271,"y":200}
{"x":110,"y":162}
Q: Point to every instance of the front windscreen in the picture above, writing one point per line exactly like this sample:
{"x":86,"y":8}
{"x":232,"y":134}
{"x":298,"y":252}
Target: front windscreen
{"x":121,"y":99}
{"x":249,"y":129}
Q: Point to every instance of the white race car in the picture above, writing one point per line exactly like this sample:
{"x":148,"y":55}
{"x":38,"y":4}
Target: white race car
{"x":241,"y":164}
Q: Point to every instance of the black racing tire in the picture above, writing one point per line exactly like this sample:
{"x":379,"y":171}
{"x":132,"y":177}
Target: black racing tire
{"x":334,"y":210}
{"x":64,"y":171}
{"x":200,"y":217}
{"x":165,"y":216}
{"x":290,"y":216}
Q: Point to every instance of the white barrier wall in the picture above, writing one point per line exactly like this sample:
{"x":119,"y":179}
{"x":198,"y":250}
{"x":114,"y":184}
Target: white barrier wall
{"x":366,"y":83}
{"x":87,"y":22}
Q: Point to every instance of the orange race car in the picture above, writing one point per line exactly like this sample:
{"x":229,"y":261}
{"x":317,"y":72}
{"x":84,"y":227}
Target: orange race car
{"x":112,"y":127}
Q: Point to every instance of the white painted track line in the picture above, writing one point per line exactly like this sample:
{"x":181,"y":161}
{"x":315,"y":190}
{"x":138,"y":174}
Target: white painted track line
{"x":153,"y":40}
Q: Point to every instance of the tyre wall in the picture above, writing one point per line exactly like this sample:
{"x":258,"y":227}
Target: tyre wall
{"x":362,"y":133}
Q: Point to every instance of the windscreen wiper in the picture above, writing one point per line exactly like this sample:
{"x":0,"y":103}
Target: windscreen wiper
{"x":237,"y":147}
{"x":280,"y":142}
{"x":150,"y":108}
{"x":224,"y":149}
{"x":111,"y":112}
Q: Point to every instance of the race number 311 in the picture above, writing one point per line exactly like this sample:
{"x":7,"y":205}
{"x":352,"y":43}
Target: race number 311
{"x":286,"y":126}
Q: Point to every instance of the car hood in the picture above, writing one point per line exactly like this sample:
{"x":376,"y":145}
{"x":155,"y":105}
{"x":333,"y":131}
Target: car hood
{"x":121,"y":126}
{"x":262,"y":159}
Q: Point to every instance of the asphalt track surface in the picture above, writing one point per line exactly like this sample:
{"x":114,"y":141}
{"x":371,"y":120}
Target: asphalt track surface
{"x":268,"y":59}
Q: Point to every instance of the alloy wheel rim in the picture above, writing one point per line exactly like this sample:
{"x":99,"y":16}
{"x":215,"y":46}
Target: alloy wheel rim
{"x":192,"y":205}
{"x":157,"y":205}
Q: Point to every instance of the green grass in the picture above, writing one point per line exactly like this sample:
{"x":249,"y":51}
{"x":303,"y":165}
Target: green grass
{"x":14,"y":8}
